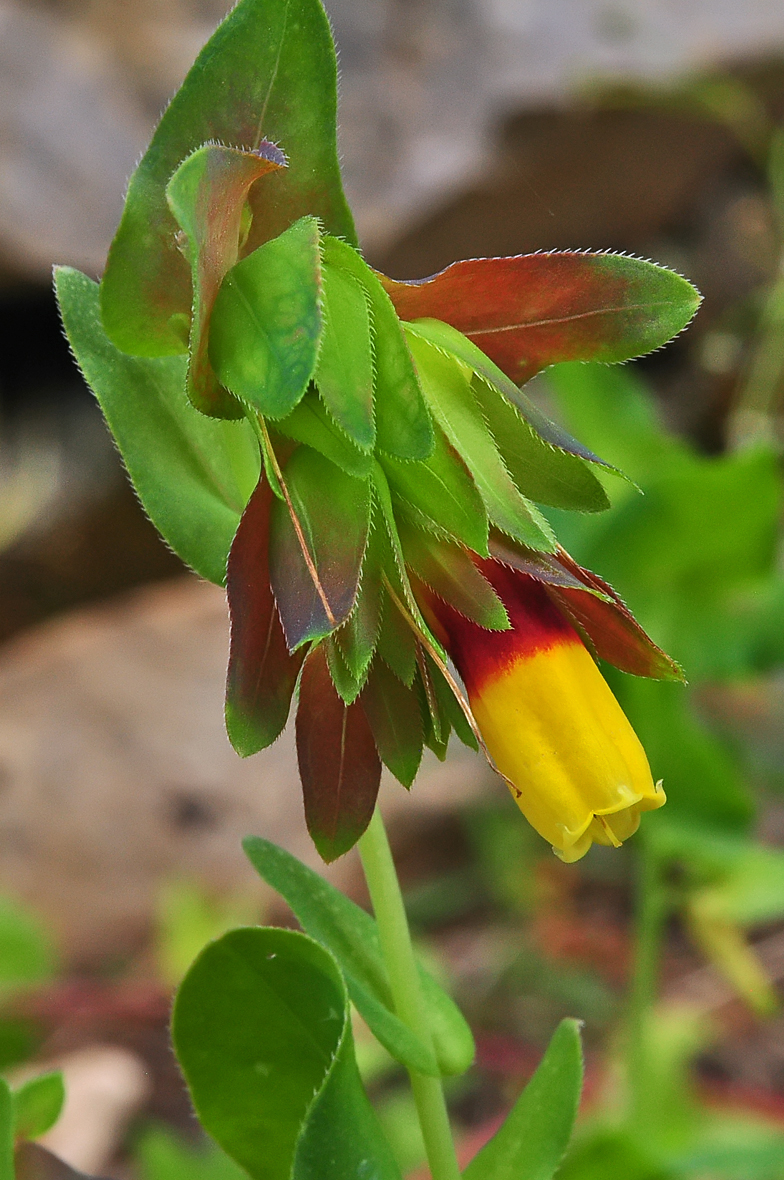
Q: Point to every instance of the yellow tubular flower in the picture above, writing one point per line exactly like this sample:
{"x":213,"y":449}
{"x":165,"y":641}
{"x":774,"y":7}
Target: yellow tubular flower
{"x":551,"y":724}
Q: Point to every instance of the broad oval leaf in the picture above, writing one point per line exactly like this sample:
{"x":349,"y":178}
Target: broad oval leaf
{"x":266,"y":322}
{"x":533,"y":310}
{"x":441,"y":489}
{"x":247,"y":85}
{"x":317,"y":544}
{"x":38,"y":1104}
{"x":352,"y":936}
{"x":449,"y":394}
{"x":403,"y":425}
{"x":262,"y":672}
{"x":262,"y":1032}
{"x":207,"y":195}
{"x":193,"y":475}
{"x":532,"y":1142}
{"x":338,"y":763}
{"x":345,"y":365}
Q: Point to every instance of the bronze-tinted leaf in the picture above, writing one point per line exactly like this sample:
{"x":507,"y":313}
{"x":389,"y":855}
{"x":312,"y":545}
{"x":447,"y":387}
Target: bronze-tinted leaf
{"x":396,"y":721}
{"x":262,"y":673}
{"x":448,"y":570}
{"x":207,"y":195}
{"x":338,"y":761}
{"x":317,"y":544}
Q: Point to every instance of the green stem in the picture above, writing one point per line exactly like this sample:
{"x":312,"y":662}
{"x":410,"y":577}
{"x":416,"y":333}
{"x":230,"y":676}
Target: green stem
{"x":651,"y":910}
{"x":404,"y":982}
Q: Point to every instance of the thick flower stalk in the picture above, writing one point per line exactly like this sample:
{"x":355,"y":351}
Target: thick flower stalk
{"x":354,"y":458}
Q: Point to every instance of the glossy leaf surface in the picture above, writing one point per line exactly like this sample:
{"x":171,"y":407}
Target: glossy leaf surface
{"x":207,"y":196}
{"x":403,"y":425}
{"x":317,"y":544}
{"x":533,"y":310}
{"x":396,"y":721}
{"x":397,"y":643}
{"x":345,"y":365}
{"x":338,"y":763}
{"x":532,"y":1142}
{"x":262,"y":1032}
{"x":193,"y":475}
{"x":352,"y":936}
{"x":440,"y":489}
{"x":450,"y":396}
{"x":247,"y":85}
{"x":266,"y":322}
{"x":37,"y":1105}
{"x":262,"y":672}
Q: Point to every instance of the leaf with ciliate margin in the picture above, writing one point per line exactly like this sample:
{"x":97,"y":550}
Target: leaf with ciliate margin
{"x":442,"y":491}
{"x":38,"y":1104}
{"x":247,"y":85}
{"x":397,"y":643}
{"x":207,"y":195}
{"x":344,"y":374}
{"x":449,"y":571}
{"x":316,"y":554}
{"x":403,"y":424}
{"x":542,"y":472}
{"x":348,"y":684}
{"x":338,"y":762}
{"x":266,"y":322}
{"x":358,"y":636}
{"x":533,"y":1140}
{"x":396,"y":721}
{"x":449,"y":707}
{"x":448,"y":339}
{"x":449,"y":393}
{"x":262,"y":672}
{"x":534,"y":310}
{"x":352,"y":936}
{"x":262,"y":1032}
{"x":193,"y":475}
{"x":310,"y":423}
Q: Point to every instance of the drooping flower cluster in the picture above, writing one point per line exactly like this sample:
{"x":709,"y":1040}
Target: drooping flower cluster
{"x":393,"y":532}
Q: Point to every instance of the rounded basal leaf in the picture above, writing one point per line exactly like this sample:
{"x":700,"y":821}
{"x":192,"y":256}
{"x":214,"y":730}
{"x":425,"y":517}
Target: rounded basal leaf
{"x":403,"y":425}
{"x":317,"y":545}
{"x":344,"y":374}
{"x":338,"y":762}
{"x":266,"y":322}
{"x":262,"y":672}
{"x":247,"y":85}
{"x":262,"y":1032}
{"x":207,"y":195}
{"x":194,"y":475}
{"x":533,"y":310}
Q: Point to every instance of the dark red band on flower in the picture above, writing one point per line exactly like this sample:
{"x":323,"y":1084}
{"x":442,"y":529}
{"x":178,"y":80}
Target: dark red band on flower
{"x":537,"y":625}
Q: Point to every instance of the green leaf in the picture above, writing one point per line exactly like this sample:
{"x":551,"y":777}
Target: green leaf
{"x":531,"y":1143}
{"x":352,"y":937}
{"x":193,"y":475}
{"x":541,"y":471}
{"x":397,"y":643}
{"x":441,"y":489}
{"x":207,"y":195}
{"x":317,"y":545}
{"x":403,"y":425}
{"x":37,"y":1105}
{"x":247,"y":84}
{"x":27,"y":956}
{"x":162,"y":1154}
{"x":262,"y":1031}
{"x":344,"y":374}
{"x":396,"y":721}
{"x":449,"y":394}
{"x":449,"y":571}
{"x":266,"y":322}
{"x":358,"y":636}
{"x":6,"y":1132}
{"x":347,"y":682}
{"x":310,"y":423}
